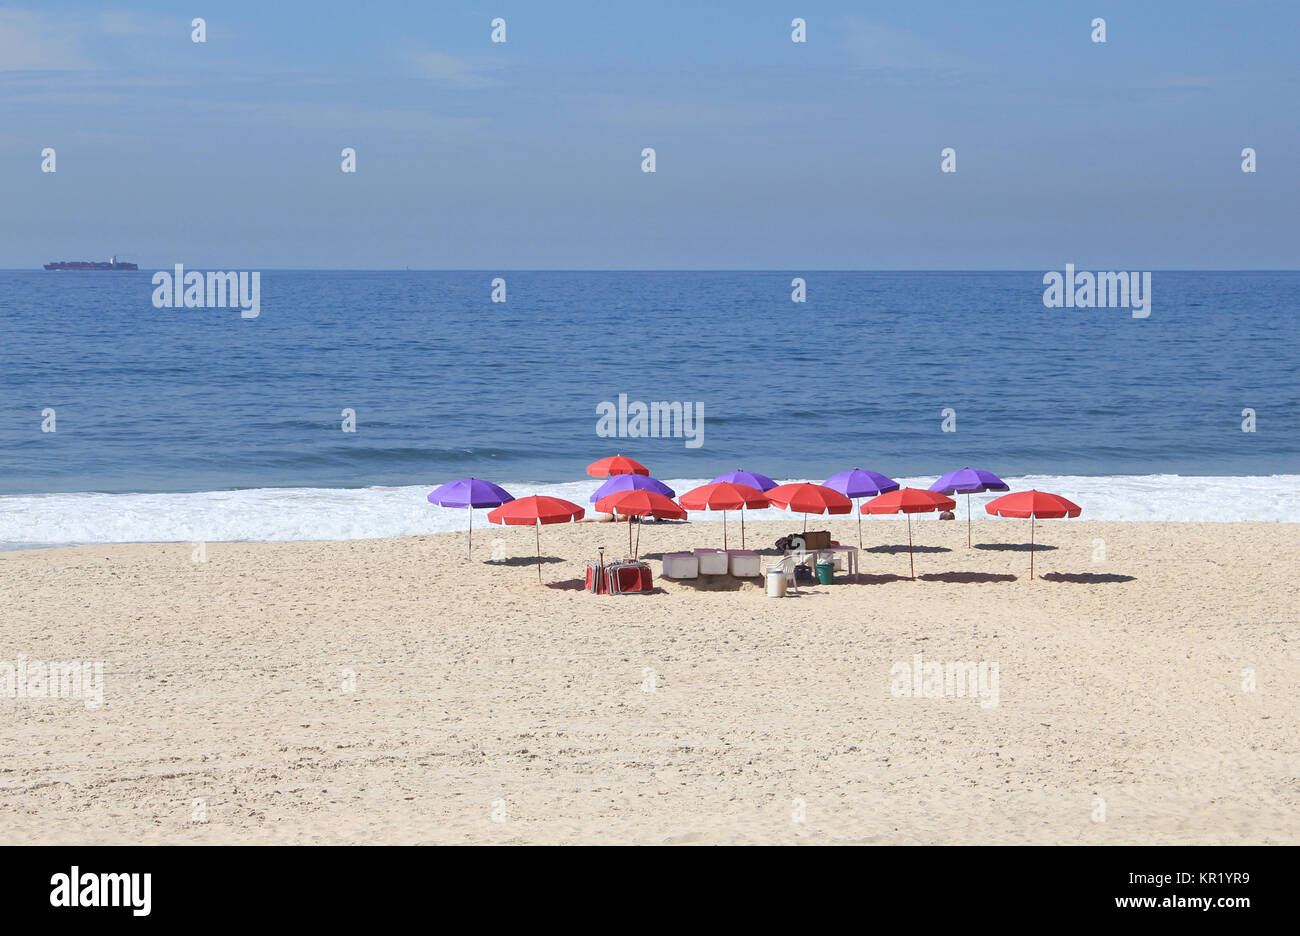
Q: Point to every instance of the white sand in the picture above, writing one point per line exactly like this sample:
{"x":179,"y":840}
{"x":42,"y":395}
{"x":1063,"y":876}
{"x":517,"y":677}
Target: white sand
{"x":477,"y":690}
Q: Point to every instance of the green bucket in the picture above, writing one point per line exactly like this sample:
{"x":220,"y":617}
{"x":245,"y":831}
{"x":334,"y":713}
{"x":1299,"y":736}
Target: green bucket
{"x":825,"y":573}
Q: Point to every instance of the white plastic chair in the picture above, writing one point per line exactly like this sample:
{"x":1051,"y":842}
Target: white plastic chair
{"x":785,"y":564}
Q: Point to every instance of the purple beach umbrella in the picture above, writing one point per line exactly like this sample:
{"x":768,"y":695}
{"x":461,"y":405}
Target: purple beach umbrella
{"x":470,"y":493}
{"x":631,"y":482}
{"x":860,"y":483}
{"x":969,"y":481}
{"x":754,"y":480}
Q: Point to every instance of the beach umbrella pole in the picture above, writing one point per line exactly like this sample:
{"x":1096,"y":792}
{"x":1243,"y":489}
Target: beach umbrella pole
{"x":724,"y":529}
{"x":471,"y":532}
{"x":910,"y":558}
{"x":968,"y":521}
{"x":742,"y":527}
{"x":1031,"y":547}
{"x":537,"y":530}
{"x":857,"y":560}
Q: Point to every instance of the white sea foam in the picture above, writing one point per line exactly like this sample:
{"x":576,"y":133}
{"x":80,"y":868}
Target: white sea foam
{"x":263,"y":514}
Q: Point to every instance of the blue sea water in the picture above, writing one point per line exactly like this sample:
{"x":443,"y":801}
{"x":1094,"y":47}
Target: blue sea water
{"x":445,"y":383}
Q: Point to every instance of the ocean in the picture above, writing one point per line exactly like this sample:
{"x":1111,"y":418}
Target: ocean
{"x":186,"y":424}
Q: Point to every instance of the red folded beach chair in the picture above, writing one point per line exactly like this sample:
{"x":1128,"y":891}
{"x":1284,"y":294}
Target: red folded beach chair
{"x":627,"y":576}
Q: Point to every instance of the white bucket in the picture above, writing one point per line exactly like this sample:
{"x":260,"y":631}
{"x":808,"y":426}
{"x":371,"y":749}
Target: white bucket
{"x":776,"y":584}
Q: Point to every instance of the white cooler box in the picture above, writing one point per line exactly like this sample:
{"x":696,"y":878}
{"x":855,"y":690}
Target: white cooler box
{"x":681,"y":565}
{"x":745,"y":563}
{"x":712,"y":561}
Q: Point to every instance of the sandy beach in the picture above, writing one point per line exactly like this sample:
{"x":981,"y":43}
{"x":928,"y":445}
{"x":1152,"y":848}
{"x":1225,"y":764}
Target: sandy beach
{"x":390,"y":691}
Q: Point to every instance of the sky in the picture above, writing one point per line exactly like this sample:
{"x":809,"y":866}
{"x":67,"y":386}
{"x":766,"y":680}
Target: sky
{"x":770,"y":154}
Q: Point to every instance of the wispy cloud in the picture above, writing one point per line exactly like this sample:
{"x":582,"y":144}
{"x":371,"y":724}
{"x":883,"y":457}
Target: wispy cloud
{"x":447,"y":69}
{"x":875,"y":46}
{"x":304,"y":117}
{"x":32,"y":41}
{"x":1182,"y":83}
{"x":124,"y":23}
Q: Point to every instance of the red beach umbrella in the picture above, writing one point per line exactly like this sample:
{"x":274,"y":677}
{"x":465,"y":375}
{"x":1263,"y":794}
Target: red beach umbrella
{"x":725,"y":496}
{"x":616,"y":465}
{"x":1033,"y":504}
{"x":534,"y":511}
{"x":808,"y":498}
{"x":640,"y":503}
{"x":908,"y":501}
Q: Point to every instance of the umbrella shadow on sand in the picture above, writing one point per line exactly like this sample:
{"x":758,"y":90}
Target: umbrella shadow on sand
{"x":1087,"y":578}
{"x":962,"y":578}
{"x":568,"y":585}
{"x":521,"y":561}
{"x":895,"y":550}
{"x":868,"y":578}
{"x":1015,"y":547}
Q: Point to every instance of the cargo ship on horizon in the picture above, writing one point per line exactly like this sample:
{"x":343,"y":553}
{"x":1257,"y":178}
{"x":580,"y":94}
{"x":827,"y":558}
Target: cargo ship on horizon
{"x":112,"y":264}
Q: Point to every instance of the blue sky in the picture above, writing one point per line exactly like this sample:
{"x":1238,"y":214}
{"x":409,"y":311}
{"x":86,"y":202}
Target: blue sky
{"x":770,"y":154}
